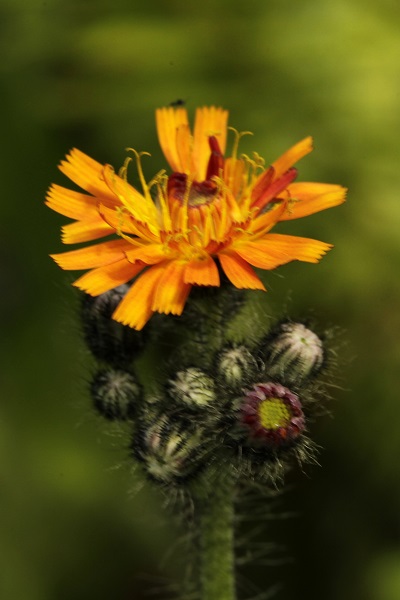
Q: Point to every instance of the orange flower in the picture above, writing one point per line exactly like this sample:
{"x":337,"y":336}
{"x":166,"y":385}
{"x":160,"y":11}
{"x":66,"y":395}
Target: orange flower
{"x":169,"y":236}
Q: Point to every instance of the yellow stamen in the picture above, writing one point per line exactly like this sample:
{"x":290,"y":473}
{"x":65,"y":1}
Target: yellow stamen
{"x":138,"y":156}
{"x":238,"y":135}
{"x":230,"y":200}
{"x":123,"y":172}
{"x":121,"y":212}
{"x":160,"y":182}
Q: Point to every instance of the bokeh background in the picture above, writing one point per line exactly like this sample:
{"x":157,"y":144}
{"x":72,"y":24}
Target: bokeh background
{"x":74,"y":521}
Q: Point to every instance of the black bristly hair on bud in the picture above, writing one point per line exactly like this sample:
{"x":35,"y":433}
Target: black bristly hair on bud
{"x":115,"y":394}
{"x":107,"y":339}
{"x":207,"y":316}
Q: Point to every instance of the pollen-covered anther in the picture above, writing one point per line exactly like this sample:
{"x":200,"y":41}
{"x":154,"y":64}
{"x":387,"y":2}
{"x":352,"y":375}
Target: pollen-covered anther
{"x":192,"y":387}
{"x":271,"y":415}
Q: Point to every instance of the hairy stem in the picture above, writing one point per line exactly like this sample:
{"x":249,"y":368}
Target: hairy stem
{"x":216,"y":536}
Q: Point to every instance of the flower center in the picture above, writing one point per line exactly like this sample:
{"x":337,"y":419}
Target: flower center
{"x":273,"y":413}
{"x":194,"y":193}
{"x":197,"y":193}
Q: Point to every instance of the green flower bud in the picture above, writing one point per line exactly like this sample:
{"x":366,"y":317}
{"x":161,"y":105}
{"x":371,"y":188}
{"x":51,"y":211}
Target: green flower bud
{"x":193,"y":388}
{"x":171,"y":451}
{"x":293,"y":353}
{"x":236,"y":366}
{"x":115,"y":393}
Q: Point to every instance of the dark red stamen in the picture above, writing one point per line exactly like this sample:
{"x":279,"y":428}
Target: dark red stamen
{"x":263,"y":183}
{"x":176,"y":186}
{"x":271,"y":190}
{"x":200,"y":192}
{"x":216,"y":160}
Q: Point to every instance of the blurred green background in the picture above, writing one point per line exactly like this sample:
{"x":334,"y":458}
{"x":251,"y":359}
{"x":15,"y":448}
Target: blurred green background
{"x":89,"y":74}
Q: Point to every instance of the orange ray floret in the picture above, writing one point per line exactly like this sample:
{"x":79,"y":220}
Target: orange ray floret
{"x":210,"y":213}
{"x":92,"y":256}
{"x":136,"y":307}
{"x":202,"y":272}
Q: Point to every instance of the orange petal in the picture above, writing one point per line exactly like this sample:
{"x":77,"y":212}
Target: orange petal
{"x":209,"y":120}
{"x":291,"y":156}
{"x":239,"y":272}
{"x":88,"y":174}
{"x":265,"y":221}
{"x":172,"y":292}
{"x":184,"y":142}
{"x":106,"y":278}
{"x":85,"y":231}
{"x":234,"y":175}
{"x":92,"y":256}
{"x":135,"y":309}
{"x":291,"y":247}
{"x":70,"y":203}
{"x":309,"y":198}
{"x":202,"y":272}
{"x":261,"y":254}
{"x":168,"y":120}
{"x":150,"y":254}
{"x":121,"y":221}
{"x":141,"y":208}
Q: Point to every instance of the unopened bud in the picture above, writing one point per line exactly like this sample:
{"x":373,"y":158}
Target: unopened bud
{"x":115,"y":394}
{"x":193,"y":388}
{"x":293,"y":353}
{"x":236,"y":366}
{"x":107,"y":339}
{"x":171,"y":451}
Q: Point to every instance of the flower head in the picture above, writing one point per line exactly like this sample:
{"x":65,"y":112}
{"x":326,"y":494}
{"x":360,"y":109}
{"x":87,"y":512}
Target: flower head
{"x":272,"y":415}
{"x":170,"y":236}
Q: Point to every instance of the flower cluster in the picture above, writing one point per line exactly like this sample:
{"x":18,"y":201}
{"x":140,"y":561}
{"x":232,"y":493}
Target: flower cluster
{"x":247,"y":404}
{"x":206,"y":224}
{"x":212,"y":215}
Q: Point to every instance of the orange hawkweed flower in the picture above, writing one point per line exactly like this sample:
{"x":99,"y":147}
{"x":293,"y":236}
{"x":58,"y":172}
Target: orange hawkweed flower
{"x":169,"y":236}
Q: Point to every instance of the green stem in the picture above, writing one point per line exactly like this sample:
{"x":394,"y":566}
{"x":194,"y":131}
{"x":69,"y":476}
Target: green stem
{"x":216,"y":537}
